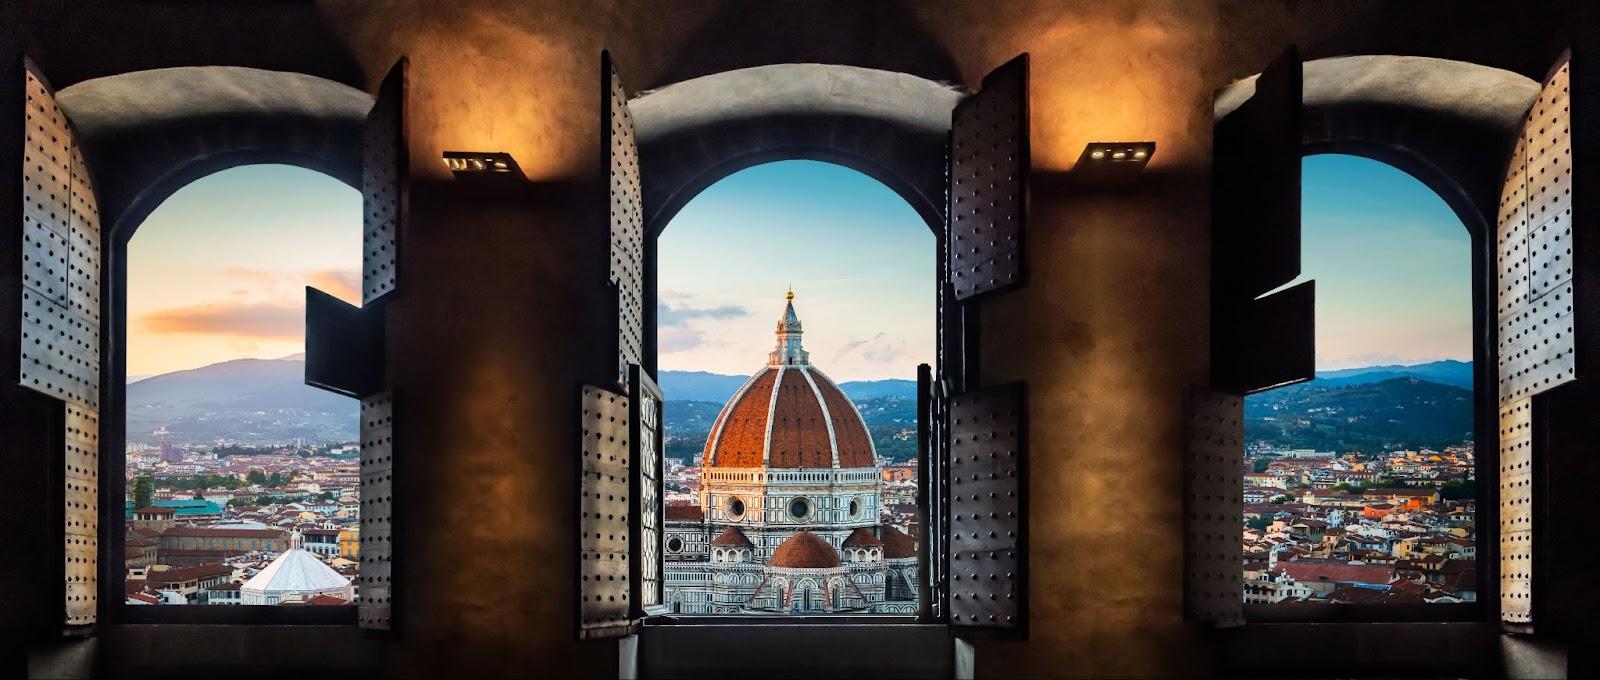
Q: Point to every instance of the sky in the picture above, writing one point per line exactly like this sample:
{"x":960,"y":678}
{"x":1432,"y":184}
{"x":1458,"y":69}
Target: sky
{"x":218,"y":271}
{"x":1392,"y":264}
{"x":861,"y":262}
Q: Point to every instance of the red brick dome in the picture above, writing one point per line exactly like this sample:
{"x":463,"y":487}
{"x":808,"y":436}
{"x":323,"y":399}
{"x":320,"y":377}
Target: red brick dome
{"x":897,"y":545}
{"x":732,"y":536}
{"x":804,"y":550}
{"x":789,"y":415}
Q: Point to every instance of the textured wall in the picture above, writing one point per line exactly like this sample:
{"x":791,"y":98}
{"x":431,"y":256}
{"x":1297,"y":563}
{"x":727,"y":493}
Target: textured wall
{"x":502,"y":289}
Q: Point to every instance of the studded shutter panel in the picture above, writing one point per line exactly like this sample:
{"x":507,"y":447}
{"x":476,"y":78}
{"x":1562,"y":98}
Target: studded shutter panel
{"x":604,"y":574}
{"x":1536,"y":302}
{"x":1265,"y":342}
{"x":1213,"y":505}
{"x":988,"y":506}
{"x":1534,"y":240}
{"x":988,"y":184}
{"x":59,"y":333}
{"x":647,"y":436}
{"x":385,"y":166}
{"x":385,"y":169}
{"x":625,"y":210}
{"x":375,"y":608}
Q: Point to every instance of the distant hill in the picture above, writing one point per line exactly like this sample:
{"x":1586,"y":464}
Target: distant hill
{"x":249,"y":401}
{"x":1446,"y":372}
{"x":1407,"y":411}
{"x":716,"y":387}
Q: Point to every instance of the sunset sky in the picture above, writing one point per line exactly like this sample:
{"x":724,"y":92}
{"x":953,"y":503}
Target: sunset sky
{"x":1392,"y":264}
{"x":218,"y":271}
{"x":860,"y":259}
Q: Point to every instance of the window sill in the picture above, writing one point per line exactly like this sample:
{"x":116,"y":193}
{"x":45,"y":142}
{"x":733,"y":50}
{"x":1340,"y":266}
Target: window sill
{"x":895,"y":648}
{"x":1465,"y":612}
{"x":234,"y":615}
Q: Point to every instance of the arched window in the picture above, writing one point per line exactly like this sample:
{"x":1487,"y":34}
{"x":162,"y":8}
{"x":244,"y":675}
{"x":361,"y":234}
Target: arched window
{"x":1362,"y":483}
{"x":845,"y":266}
{"x":220,"y":425}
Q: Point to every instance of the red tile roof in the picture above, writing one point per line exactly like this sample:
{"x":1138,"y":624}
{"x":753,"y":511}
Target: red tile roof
{"x":855,"y":447}
{"x":861,"y":538}
{"x":685,"y":513}
{"x":897,"y":545}
{"x":1312,"y":571}
{"x":214,"y":532}
{"x":788,"y":427}
{"x":799,"y":429}
{"x":181,"y":574}
{"x":734,"y":537}
{"x":804,"y":550}
{"x":741,"y":431}
{"x":325,"y":600}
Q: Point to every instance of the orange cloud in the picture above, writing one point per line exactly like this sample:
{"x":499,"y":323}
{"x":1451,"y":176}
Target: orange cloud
{"x":344,"y":284}
{"x":262,"y":320}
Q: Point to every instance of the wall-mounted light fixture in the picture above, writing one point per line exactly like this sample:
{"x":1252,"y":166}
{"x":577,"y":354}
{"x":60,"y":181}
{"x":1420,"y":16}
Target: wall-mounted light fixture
{"x":1115,"y":158}
{"x":464,"y":163}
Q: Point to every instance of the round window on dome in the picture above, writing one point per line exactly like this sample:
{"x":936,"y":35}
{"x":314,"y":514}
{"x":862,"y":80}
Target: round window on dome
{"x":800,"y":508}
{"x":855,"y":508}
{"x":736,"y":508}
{"x":674,"y":544}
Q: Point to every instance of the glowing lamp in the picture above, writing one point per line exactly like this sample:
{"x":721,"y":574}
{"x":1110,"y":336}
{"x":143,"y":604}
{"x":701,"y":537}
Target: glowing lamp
{"x":463,"y":163}
{"x":1115,"y":158}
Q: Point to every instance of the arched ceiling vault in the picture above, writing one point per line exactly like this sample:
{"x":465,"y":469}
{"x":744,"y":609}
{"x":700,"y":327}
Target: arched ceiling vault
{"x":889,"y":125}
{"x":1449,"y":123}
{"x":148,"y":133}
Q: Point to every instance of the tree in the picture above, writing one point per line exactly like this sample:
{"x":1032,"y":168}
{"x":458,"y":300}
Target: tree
{"x":1458,"y":489}
{"x":255,"y":477}
{"x":1261,"y":465}
{"x":144,"y":491}
{"x":198,"y":495}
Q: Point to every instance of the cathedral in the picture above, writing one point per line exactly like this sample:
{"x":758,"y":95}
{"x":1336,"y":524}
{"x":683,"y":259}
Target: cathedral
{"x":788,"y":520}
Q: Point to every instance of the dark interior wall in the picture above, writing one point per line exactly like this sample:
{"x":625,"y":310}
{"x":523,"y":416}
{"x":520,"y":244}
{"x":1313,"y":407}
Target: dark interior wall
{"x":502,"y":290}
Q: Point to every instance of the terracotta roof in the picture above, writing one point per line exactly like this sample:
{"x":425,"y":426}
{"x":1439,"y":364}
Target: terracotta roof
{"x":1312,"y":571}
{"x":861,"y":538}
{"x":741,"y":429}
{"x":181,"y":574}
{"x":804,"y":550}
{"x":1355,"y":595}
{"x":789,"y":427}
{"x":732,"y":536}
{"x":897,"y":545}
{"x":799,"y":436}
{"x":325,"y":600}
{"x":685,"y":512}
{"x":155,"y":510}
{"x":215,"y":532}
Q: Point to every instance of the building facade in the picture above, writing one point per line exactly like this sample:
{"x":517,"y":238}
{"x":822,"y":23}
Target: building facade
{"x":788,"y":520}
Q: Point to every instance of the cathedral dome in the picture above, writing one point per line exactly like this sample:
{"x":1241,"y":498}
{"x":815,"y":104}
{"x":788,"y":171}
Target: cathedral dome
{"x":789,"y":415}
{"x":804,"y":550}
{"x":897,"y":545}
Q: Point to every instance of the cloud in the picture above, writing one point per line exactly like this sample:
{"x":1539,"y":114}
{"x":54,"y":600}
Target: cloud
{"x":678,"y":339}
{"x":667,"y":315}
{"x":344,"y":284}
{"x":258,"y":320}
{"x":878,"y":349}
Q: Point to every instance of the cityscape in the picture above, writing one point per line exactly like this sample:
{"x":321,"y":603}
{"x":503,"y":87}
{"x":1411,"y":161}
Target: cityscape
{"x":789,"y":508}
{"x":259,"y":518}
{"x":1380,"y":520}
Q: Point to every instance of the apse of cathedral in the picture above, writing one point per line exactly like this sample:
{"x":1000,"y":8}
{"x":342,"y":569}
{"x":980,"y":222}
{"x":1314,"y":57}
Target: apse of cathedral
{"x":788,"y":519}
{"x":1172,"y":406}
